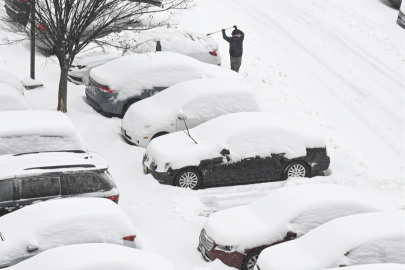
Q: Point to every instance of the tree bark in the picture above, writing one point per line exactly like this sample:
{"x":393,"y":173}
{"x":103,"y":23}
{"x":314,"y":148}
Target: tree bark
{"x":62,"y":97}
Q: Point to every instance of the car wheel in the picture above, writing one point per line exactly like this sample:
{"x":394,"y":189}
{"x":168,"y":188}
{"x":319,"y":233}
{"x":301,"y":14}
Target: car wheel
{"x":158,"y":135}
{"x":250,"y":260}
{"x":296,"y":169}
{"x":188,"y":178}
{"x":126,"y":106}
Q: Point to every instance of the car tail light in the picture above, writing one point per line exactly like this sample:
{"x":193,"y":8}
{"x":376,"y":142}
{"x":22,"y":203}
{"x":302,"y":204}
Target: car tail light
{"x":41,"y":27}
{"x":214,"y":53}
{"x":113,"y":198}
{"x":130,"y":238}
{"x":105,"y":89}
{"x":326,"y":151}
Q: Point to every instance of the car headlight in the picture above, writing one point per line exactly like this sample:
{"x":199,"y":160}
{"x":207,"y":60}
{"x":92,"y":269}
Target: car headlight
{"x":226,"y":248}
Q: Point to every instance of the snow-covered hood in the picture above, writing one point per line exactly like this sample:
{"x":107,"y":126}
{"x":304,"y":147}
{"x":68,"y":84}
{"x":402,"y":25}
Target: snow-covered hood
{"x":12,"y":100}
{"x":246,"y":134}
{"x":201,"y":100}
{"x":298,"y":209}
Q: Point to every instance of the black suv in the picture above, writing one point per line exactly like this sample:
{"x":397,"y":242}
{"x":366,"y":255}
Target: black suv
{"x":35,"y":177}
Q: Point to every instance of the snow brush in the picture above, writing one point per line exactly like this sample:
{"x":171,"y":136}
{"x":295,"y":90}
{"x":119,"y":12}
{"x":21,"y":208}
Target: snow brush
{"x":219,"y":31}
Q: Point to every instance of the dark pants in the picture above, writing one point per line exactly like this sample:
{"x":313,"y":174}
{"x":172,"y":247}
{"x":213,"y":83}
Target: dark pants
{"x":235,"y":63}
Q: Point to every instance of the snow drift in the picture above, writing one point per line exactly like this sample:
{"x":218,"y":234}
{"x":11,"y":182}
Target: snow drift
{"x":12,"y":100}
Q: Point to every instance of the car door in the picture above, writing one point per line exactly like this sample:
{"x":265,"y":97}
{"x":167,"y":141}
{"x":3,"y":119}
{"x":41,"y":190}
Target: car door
{"x":8,"y":200}
{"x":269,"y":168}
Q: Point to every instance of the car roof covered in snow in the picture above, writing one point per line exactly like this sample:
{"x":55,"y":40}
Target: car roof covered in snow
{"x":341,"y":242}
{"x":137,"y":72}
{"x":32,"y":131}
{"x":201,"y":99}
{"x":95,"y":257}
{"x":246,"y":134}
{"x":297,"y":208}
{"x":12,"y":100}
{"x":43,"y":162}
{"x":9,"y":78}
{"x":59,"y":222}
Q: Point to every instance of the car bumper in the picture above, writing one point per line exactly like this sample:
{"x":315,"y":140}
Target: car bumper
{"x":320,"y":166}
{"x":103,"y":103}
{"x":232,"y":259}
{"x":134,"y":139}
{"x":165,"y":178}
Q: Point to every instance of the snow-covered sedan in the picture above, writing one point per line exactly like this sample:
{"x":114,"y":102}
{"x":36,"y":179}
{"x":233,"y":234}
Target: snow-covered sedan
{"x":353,"y":240}
{"x":43,"y":226}
{"x":118,"y":84}
{"x":95,"y":257}
{"x":236,"y":236}
{"x":12,"y":100}
{"x":237,"y":148}
{"x":196,"y":45}
{"x":185,"y":105}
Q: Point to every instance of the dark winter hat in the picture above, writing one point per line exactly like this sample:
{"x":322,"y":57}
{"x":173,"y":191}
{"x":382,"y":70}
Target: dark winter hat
{"x":235,"y":32}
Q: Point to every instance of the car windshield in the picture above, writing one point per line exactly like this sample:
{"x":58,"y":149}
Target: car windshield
{"x":2,"y":237}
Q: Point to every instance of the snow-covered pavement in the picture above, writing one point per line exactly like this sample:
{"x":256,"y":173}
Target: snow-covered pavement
{"x":336,"y":63}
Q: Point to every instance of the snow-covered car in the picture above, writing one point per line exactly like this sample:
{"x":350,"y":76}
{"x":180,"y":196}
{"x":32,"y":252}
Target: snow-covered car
{"x":396,"y":3}
{"x":37,"y":131}
{"x":9,"y":78}
{"x":184,"y":106}
{"x":401,"y":15}
{"x":237,"y":148}
{"x":353,"y":240}
{"x":196,"y":45}
{"x":236,"y":236}
{"x":118,"y":84}
{"x":26,"y":179}
{"x":95,"y":257}
{"x":43,"y":226}
{"x":11,"y":100}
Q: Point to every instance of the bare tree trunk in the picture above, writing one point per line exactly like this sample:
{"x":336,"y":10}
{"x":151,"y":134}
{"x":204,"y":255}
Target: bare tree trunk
{"x":62,"y":97}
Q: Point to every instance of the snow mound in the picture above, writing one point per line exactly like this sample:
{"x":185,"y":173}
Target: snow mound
{"x":95,"y":257}
{"x":246,"y":134}
{"x":380,"y":266}
{"x":62,"y":222}
{"x":201,"y":100}
{"x":352,"y":240}
{"x":9,"y":78}
{"x":32,"y":131}
{"x":11,"y":100}
{"x":303,"y":209}
{"x":133,"y":73}
{"x":216,"y":265}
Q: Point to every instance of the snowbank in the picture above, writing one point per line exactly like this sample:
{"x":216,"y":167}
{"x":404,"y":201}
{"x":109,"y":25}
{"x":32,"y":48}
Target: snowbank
{"x":95,"y":257}
{"x":133,"y":73}
{"x":11,"y":79}
{"x":245,"y":134}
{"x":358,"y":239}
{"x":11,"y":100}
{"x":303,"y":209}
{"x":216,"y":265}
{"x":31,"y":131}
{"x":62,"y":222}
{"x":201,"y":100}
{"x":381,"y":266}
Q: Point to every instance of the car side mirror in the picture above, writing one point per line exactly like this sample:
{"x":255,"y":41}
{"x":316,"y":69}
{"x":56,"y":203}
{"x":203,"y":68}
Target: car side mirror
{"x":32,"y":247}
{"x":182,"y":116}
{"x":225,"y":152}
{"x":291,"y":236}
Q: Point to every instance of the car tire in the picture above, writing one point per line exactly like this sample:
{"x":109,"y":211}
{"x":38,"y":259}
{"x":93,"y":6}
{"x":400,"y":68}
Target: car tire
{"x":127,"y":105}
{"x":296,"y":169}
{"x":189,"y":178}
{"x":250,"y":260}
{"x":158,"y":135}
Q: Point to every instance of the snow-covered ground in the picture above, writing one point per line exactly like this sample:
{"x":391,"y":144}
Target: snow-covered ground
{"x":335,"y":63}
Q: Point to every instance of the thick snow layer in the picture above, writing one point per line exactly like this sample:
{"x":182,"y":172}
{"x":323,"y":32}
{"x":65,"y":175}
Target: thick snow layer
{"x":358,"y":239}
{"x":216,"y":265}
{"x":32,"y":131}
{"x":62,"y":222}
{"x":245,"y":135}
{"x":11,"y":100}
{"x":12,"y":165}
{"x":380,"y":266}
{"x":133,"y":73}
{"x":95,"y":257}
{"x":9,"y":78}
{"x":200,"y":100}
{"x":303,"y":209}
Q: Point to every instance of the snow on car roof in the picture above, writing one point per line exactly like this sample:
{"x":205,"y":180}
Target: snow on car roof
{"x":296,"y":208}
{"x":54,"y":223}
{"x":32,"y":131}
{"x":95,"y":257}
{"x":12,"y":100}
{"x":203,"y":99}
{"x":137,"y":72}
{"x":245,"y":134}
{"x":9,"y":78}
{"x":330,"y":244}
{"x":12,"y":165}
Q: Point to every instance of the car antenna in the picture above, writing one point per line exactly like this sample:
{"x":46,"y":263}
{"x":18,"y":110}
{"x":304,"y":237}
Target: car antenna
{"x":188,"y":132}
{"x":244,"y":77}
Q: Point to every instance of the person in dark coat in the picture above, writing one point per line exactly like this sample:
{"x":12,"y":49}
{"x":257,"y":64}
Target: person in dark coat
{"x":235,"y":47}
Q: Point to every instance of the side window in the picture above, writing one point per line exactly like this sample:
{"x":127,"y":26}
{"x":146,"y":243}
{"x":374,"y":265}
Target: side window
{"x":6,"y":190}
{"x":82,"y":183}
{"x":39,"y":187}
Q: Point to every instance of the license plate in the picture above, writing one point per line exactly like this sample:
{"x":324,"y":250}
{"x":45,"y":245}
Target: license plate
{"x":145,"y":169}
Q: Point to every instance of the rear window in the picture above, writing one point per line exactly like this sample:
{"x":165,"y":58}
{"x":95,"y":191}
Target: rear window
{"x":39,"y":187}
{"x":83,"y":183}
{"x":6,"y":190}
